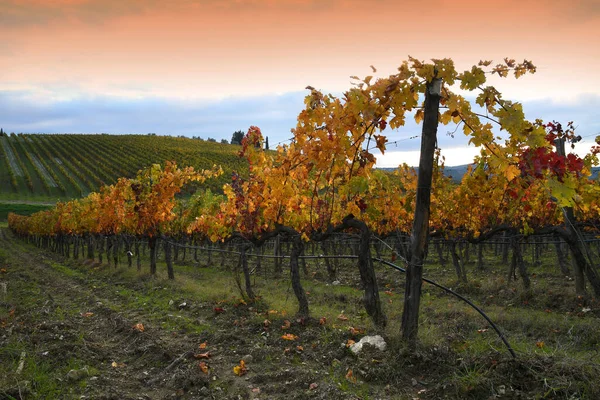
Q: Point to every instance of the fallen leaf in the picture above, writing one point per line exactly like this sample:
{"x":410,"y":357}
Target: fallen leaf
{"x":540,"y":344}
{"x":389,"y":292}
{"x":266,"y":323}
{"x":313,"y":386}
{"x":350,"y":376}
{"x":87,"y":314}
{"x":218,"y":310}
{"x":355,"y":331}
{"x":115,"y":364}
{"x":289,"y":336}
{"x":350,"y":342}
{"x":202,"y":345}
{"x":299,"y":348}
{"x":482,"y":330}
{"x":322,"y":321}
{"x":203,"y":367}
{"x":138,"y":327}
{"x":342,"y":317}
{"x":240,"y":369}
{"x":3,"y":270}
{"x":256,"y":390}
{"x":286,"y":325}
{"x":202,"y":355}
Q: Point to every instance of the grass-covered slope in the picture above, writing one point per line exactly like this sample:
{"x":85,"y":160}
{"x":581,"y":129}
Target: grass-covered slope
{"x":40,"y":167}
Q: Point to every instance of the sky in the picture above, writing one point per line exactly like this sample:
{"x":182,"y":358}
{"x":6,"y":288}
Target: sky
{"x":210,"y":67}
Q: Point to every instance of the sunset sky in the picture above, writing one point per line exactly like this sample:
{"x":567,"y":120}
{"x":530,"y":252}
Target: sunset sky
{"x":210,"y":67}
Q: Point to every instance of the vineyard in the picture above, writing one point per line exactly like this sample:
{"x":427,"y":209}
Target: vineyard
{"x":51,"y":167}
{"x":525,"y":211}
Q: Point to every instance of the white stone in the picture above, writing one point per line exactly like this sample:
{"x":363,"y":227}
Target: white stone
{"x":376,"y":341}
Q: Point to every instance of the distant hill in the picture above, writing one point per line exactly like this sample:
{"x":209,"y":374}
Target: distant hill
{"x":45,"y":167}
{"x":457,"y":172}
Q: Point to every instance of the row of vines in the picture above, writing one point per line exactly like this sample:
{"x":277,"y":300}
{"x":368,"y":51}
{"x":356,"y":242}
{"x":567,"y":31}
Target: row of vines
{"x":324,"y":182}
{"x":72,"y":166}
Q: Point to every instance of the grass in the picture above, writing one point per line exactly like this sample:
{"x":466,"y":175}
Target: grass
{"x":22,"y":209}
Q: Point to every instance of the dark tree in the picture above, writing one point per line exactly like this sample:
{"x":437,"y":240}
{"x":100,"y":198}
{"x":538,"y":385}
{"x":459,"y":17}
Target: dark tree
{"x":237,"y":137}
{"x":2,"y":132}
{"x":224,"y":141}
{"x":267,"y":143}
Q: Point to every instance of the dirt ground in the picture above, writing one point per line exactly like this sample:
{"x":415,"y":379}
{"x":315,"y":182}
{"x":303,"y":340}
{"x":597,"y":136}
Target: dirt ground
{"x":73,"y":343}
{"x":69,"y":334}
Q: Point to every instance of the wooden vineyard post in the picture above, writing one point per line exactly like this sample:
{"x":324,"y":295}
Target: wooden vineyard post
{"x":420,"y":229}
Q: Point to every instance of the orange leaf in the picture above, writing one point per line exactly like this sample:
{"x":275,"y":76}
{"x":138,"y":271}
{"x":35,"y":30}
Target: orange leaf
{"x":540,"y":344}
{"x":266,"y":323}
{"x":202,"y":345}
{"x":342,"y":317}
{"x":202,"y":355}
{"x":322,"y":321}
{"x":203,"y":367}
{"x":87,"y":314}
{"x":138,"y":327}
{"x":355,"y":331}
{"x":286,"y":324}
{"x":289,"y":336}
{"x":350,"y":376}
{"x":299,"y":348}
{"x":350,"y":342}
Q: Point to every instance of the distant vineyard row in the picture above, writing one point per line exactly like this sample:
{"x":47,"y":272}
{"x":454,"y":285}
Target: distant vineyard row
{"x":60,"y":166}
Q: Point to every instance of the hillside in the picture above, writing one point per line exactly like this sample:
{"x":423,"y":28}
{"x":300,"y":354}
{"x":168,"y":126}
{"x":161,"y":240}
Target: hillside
{"x":47,"y":168}
{"x":458,"y":171}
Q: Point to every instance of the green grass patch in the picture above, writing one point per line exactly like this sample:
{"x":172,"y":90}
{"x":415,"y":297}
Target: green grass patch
{"x":21,"y":209}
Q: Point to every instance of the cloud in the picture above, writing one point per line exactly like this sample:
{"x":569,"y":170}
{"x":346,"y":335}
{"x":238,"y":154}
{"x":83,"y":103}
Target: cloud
{"x":28,"y":112}
{"x":21,"y":111}
{"x":42,"y":12}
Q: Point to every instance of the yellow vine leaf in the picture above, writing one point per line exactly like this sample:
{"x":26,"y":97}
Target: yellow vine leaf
{"x":511,"y":172}
{"x":240,"y":369}
{"x":289,"y":336}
